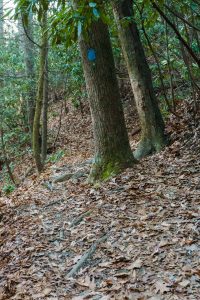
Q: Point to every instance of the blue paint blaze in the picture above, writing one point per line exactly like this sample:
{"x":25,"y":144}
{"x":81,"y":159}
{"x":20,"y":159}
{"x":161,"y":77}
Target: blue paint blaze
{"x":91,"y":55}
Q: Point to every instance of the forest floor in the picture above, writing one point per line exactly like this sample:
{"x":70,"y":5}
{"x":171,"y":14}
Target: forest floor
{"x":141,"y":228}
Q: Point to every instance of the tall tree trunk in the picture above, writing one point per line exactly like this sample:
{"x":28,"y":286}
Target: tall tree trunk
{"x":153,"y":138}
{"x":26,"y":33}
{"x":112,"y":149}
{"x":45,"y":109}
{"x":170,"y":67}
{"x":40,"y":94}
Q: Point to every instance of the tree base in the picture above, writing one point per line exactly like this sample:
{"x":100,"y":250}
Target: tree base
{"x":102,"y":171}
{"x":148,"y":146}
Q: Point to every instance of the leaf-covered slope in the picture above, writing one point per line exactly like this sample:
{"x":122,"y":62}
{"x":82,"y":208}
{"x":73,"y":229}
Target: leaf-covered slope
{"x":149,"y":215}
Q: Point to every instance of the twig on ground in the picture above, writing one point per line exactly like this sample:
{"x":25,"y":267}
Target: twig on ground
{"x":86,"y":256}
{"x":54,"y":202}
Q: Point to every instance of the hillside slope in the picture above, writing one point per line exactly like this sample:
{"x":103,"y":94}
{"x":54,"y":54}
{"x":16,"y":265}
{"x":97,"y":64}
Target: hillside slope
{"x":137,"y":235}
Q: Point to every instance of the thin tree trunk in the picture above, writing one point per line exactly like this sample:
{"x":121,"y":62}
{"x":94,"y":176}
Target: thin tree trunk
{"x":30,"y":72}
{"x":40,"y":94}
{"x":112,"y":148}
{"x":10,"y":174}
{"x":157,"y":62}
{"x":195,"y":88}
{"x":179,"y":16}
{"x":169,"y":66}
{"x":153,"y":138}
{"x":45,"y":108}
{"x":26,"y":32}
{"x":179,"y":36}
{"x":195,"y":32}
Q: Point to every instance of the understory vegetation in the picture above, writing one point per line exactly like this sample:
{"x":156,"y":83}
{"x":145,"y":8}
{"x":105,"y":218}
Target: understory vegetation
{"x":175,"y":73}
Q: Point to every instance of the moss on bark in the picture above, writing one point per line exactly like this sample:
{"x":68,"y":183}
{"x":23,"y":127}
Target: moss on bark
{"x":102,"y":170}
{"x":39,"y":98}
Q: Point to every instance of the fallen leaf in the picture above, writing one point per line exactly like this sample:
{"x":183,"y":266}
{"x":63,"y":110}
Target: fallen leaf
{"x":46,"y":291}
{"x":163,"y":244}
{"x":184,"y":283}
{"x":87,"y":282}
{"x":105,"y":264}
{"x":135,"y":265}
{"x":161,"y":287}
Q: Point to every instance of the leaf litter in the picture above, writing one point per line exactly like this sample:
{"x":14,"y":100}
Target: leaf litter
{"x":150,"y":216}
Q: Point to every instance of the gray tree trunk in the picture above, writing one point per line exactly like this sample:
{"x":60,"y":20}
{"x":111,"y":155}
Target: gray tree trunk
{"x":112,"y":149}
{"x":45,"y":107}
{"x":153,"y":138}
{"x":41,"y":92}
{"x":26,"y":32}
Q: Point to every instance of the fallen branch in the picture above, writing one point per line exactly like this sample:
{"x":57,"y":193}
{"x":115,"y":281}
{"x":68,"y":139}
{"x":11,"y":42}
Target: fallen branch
{"x":86,"y":256}
{"x":67,"y":176}
{"x":54,"y":203}
{"x":63,"y":177}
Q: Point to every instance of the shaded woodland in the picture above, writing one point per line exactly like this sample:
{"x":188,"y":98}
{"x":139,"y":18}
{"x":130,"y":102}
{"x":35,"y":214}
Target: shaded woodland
{"x":99,"y":149}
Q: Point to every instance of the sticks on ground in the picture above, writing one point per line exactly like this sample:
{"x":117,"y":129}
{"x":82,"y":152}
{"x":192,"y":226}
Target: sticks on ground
{"x":86,"y":256}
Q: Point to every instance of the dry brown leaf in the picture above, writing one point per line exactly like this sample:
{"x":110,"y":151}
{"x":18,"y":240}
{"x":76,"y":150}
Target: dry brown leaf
{"x":87,"y":282}
{"x":184,"y":283}
{"x":46,"y":291}
{"x":161,"y":287}
{"x":164,"y":243}
{"x":105,"y":264}
{"x":135,"y":265}
{"x":157,"y":297}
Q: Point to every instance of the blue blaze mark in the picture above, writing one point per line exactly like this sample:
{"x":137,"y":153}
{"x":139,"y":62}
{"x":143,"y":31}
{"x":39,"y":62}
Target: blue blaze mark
{"x":91,"y":55}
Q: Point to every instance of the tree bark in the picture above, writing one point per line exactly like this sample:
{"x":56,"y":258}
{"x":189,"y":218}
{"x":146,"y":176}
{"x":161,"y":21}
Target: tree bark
{"x":45,"y":108}
{"x":26,"y":32}
{"x":153,"y":138}
{"x":10,"y":174}
{"x":40,"y":94}
{"x":112,"y":148}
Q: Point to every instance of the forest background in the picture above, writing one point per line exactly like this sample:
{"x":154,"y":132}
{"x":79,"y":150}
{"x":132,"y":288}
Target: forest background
{"x":170,"y":38}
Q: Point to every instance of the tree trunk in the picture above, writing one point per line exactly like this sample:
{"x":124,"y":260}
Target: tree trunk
{"x":3,"y":147}
{"x":45,"y":109}
{"x":29,"y":54}
{"x":153,"y":138}
{"x":112,"y":149}
{"x":40,"y":93}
